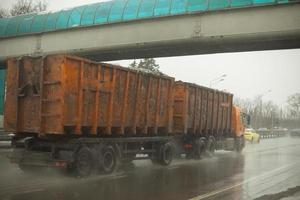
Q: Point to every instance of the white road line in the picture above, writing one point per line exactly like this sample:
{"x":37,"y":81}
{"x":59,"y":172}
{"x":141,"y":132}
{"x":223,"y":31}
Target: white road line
{"x":281,"y":181}
{"x":215,"y":192}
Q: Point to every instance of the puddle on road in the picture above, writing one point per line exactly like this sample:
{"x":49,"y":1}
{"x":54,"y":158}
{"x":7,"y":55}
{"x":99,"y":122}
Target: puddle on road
{"x":142,"y":180}
{"x":278,"y":196}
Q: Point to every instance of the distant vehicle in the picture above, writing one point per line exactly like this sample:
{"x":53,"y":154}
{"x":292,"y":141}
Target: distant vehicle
{"x":251,"y":135}
{"x":262,"y":129}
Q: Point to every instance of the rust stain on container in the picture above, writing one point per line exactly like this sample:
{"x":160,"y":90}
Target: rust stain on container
{"x":201,"y":110}
{"x":69,"y":95}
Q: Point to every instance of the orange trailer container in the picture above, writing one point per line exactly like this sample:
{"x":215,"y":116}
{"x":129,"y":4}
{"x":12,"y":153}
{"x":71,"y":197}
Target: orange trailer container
{"x":89,"y":105}
{"x":201,"y":110}
{"x":69,"y":95}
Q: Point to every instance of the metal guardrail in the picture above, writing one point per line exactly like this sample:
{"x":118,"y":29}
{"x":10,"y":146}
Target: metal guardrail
{"x":272,"y":133}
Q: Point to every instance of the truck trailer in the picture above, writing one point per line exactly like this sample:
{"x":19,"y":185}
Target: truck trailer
{"x":87,"y":117}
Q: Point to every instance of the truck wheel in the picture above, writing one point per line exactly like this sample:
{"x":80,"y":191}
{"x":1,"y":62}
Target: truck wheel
{"x":108,"y":160}
{"x":199,"y":148}
{"x":84,"y":163}
{"x":166,"y":154}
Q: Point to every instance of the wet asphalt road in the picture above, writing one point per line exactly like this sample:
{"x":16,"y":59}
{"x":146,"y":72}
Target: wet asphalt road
{"x":269,"y":170}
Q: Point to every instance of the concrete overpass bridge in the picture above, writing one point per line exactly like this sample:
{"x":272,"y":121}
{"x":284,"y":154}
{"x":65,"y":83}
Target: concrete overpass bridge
{"x":124,"y":29}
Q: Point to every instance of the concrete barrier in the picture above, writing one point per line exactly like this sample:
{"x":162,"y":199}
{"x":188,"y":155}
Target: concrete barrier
{"x":272,"y":133}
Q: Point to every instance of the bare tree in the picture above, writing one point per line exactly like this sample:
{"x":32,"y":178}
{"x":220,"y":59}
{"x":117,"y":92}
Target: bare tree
{"x":3,"y":13}
{"x":246,"y":104}
{"x":294,"y":105}
{"x":28,"y":6}
{"x":270,"y":115}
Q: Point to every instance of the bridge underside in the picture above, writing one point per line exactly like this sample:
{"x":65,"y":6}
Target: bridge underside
{"x":248,"y":29}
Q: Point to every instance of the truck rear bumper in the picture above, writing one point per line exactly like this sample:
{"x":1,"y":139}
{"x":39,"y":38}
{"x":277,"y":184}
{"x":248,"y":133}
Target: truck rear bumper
{"x":40,"y":159}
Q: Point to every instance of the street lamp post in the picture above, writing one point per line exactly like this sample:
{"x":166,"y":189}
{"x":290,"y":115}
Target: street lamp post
{"x":261,"y":102}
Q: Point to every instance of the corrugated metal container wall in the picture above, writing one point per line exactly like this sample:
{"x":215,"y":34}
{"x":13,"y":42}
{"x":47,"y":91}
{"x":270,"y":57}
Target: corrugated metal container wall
{"x":66,"y":95}
{"x":2,"y":89}
{"x":200,"y":110}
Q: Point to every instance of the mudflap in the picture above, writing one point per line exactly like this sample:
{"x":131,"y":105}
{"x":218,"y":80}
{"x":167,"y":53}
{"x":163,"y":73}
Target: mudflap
{"x":24,"y":157}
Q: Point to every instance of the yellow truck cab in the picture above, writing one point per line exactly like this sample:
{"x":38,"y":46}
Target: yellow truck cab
{"x":240,"y":124}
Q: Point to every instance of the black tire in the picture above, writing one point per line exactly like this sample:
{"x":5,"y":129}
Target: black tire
{"x":166,"y":154}
{"x":84,"y":162}
{"x":108,"y":160}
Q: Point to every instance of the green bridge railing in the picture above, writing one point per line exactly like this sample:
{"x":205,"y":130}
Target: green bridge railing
{"x":117,"y":11}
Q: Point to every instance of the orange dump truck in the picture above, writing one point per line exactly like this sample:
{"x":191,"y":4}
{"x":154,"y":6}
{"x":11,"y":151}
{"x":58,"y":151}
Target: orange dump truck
{"x":85,"y":116}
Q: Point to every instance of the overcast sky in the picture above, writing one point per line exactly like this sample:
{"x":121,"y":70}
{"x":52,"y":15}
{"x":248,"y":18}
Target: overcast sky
{"x":248,"y":74}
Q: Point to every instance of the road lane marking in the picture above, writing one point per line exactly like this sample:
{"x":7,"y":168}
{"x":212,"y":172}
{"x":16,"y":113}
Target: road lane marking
{"x":215,"y":192}
{"x":280,"y":182}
